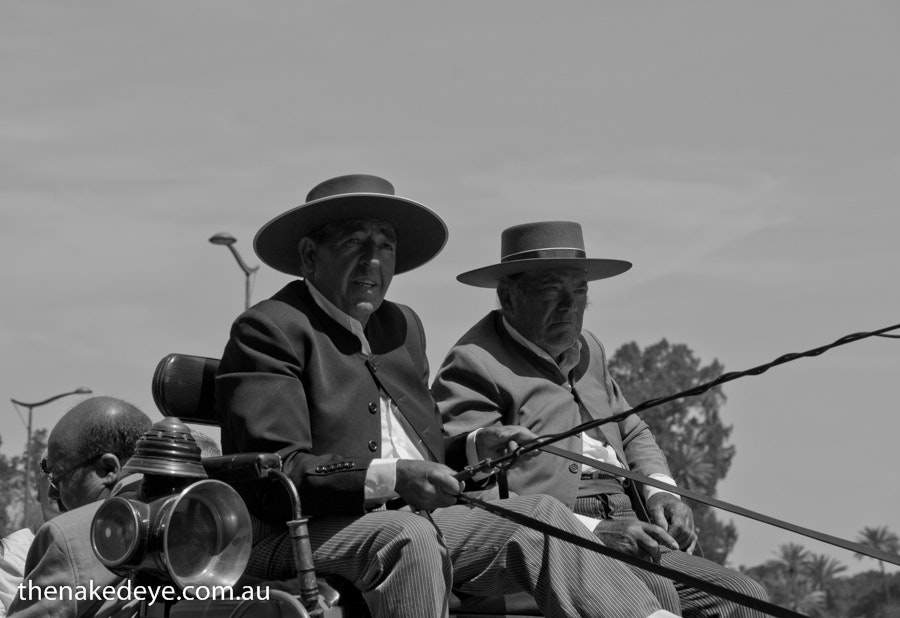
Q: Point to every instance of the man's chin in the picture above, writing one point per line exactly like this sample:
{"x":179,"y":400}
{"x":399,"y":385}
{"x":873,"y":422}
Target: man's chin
{"x":563,"y":342}
{"x":365,"y":308}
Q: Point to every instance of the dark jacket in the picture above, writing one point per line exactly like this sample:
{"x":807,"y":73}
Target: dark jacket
{"x":294,"y":381}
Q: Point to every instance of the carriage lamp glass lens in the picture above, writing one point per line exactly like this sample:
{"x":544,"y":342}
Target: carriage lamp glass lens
{"x":207,"y":536}
{"x":193,"y":539}
{"x":114,"y":531}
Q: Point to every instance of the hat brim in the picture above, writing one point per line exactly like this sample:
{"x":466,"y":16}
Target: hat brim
{"x":594,"y":269}
{"x":421,"y":234}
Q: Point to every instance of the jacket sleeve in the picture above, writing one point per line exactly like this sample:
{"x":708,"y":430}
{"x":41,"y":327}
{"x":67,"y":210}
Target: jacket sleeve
{"x":641,"y":449}
{"x":263,"y":408}
{"x":466,"y":394}
{"x":642,"y":452}
{"x":454,"y":444}
{"x":57,"y":570}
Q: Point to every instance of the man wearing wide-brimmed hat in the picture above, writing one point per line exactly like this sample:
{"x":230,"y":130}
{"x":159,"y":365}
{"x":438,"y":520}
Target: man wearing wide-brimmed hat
{"x":333,"y":377}
{"x":531,"y":363}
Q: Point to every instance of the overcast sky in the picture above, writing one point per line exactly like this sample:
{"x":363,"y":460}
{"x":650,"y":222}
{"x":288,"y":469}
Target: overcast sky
{"x":745,"y":157}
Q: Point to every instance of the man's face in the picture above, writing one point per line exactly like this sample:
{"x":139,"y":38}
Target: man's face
{"x":74,"y":482}
{"x":547,"y":307}
{"x":353,"y":267}
{"x":50,"y":508}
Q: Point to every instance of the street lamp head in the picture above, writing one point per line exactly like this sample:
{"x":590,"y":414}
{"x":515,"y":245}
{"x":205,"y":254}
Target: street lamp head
{"x":83,"y":391}
{"x":222,"y":238}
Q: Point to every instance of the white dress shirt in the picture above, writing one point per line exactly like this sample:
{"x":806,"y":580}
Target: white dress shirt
{"x":396,"y":443}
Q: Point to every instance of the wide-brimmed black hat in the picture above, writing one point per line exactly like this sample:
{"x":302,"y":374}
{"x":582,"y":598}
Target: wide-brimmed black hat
{"x":540,"y":246}
{"x":421,"y":234}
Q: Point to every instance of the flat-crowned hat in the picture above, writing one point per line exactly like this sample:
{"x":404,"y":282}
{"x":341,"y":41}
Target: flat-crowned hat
{"x":421,"y":234}
{"x":540,"y":246}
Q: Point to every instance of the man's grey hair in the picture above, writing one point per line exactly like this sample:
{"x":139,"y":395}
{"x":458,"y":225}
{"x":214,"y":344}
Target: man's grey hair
{"x":506,"y":286}
{"x":208,"y":445}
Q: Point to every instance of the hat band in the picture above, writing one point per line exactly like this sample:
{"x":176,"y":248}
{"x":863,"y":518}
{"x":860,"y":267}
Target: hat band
{"x":552,"y":252}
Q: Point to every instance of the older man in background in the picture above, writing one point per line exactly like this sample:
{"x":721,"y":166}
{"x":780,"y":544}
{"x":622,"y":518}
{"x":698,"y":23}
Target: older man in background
{"x":86,"y":451}
{"x":530,"y":363}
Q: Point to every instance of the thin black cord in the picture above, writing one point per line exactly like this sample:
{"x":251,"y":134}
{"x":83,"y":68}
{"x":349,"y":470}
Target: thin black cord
{"x":507,"y":460}
{"x":684,"y":578}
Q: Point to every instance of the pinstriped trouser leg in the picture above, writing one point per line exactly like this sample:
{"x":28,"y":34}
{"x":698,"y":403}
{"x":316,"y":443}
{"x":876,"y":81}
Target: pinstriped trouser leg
{"x":395,"y":558}
{"x":404,"y":564}
{"x":694,"y":603}
{"x":698,"y":604}
{"x":492,"y":555}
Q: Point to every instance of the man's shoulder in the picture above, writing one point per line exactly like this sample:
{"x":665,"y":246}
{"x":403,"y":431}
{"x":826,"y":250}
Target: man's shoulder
{"x":592,"y":340}
{"x":66,"y":537}
{"x":293,"y":297}
{"x":481,"y":345}
{"x":291,"y":308}
{"x":484,"y":332}
{"x":69,"y":523}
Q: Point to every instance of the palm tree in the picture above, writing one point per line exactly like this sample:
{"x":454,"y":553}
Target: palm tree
{"x":822,"y":571}
{"x":881,"y":539}
{"x":790,"y":564}
{"x":689,"y":467}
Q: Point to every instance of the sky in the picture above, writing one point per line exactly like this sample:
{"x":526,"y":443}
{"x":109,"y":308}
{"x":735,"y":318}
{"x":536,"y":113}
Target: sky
{"x":745,"y":158}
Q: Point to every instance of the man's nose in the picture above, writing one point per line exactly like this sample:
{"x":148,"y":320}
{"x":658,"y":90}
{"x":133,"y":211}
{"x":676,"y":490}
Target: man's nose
{"x":565,"y":300}
{"x":368,"y":253}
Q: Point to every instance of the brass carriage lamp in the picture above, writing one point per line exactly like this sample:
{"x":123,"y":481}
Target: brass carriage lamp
{"x":183,"y":528}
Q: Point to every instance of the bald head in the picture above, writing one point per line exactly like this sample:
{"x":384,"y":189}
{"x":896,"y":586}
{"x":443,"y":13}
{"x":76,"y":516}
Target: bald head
{"x":100,"y":424}
{"x":89,"y":445}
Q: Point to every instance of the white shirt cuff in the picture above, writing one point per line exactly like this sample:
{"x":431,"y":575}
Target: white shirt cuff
{"x":662,"y":478}
{"x":472,"y":455}
{"x":589,"y":522}
{"x":381,"y":479}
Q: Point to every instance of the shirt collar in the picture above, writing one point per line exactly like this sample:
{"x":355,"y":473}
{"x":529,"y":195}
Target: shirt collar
{"x":344,"y":319}
{"x":568,"y":360}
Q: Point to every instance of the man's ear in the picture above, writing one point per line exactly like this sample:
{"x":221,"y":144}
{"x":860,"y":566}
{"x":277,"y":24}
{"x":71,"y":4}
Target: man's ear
{"x":307,"y":249}
{"x":109,"y":469}
{"x":503,"y":297}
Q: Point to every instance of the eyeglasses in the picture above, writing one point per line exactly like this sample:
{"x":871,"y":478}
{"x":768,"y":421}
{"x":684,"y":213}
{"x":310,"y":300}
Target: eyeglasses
{"x":57,"y":476}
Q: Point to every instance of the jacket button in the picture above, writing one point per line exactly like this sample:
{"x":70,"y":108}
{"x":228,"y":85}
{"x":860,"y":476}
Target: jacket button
{"x":319,"y":469}
{"x":373,"y":445}
{"x":573,"y":468}
{"x":373,"y":407}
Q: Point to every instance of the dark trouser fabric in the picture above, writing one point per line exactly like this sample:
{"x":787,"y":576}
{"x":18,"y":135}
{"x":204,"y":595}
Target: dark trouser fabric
{"x":675,"y":597}
{"x":405,"y":563}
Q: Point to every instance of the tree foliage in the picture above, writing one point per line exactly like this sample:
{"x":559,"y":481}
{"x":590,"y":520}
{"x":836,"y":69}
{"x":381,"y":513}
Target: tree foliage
{"x":882,"y":539}
{"x":811,"y":584}
{"x":13,"y":492}
{"x":690,"y":431}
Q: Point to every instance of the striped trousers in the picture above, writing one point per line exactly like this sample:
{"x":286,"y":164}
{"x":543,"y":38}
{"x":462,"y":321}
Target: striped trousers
{"x":405,"y":564}
{"x":675,"y":597}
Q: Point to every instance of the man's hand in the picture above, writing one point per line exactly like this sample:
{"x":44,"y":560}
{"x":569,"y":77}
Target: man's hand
{"x":426,"y":485}
{"x":634,"y":537}
{"x":497,"y":440}
{"x":674,"y":516}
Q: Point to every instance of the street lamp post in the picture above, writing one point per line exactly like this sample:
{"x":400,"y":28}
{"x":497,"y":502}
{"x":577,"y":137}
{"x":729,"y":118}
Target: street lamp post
{"x":223,"y":238}
{"x":31,"y":406}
